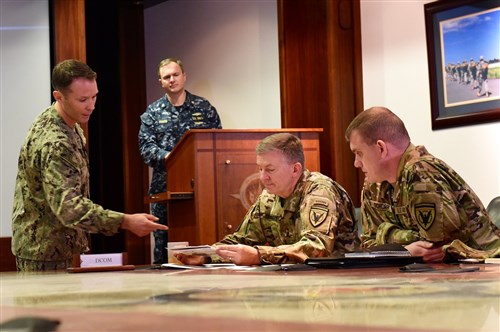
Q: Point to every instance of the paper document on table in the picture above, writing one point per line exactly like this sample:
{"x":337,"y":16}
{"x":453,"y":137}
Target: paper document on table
{"x":194,"y":250}
{"x":207,"y":266}
{"x":378,"y":254}
{"x":234,"y":267}
{"x":182,"y":266}
{"x":494,"y":260}
{"x":384,"y":250}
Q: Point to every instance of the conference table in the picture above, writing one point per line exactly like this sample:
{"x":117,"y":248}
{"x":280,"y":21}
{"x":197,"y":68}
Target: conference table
{"x":363,"y":299}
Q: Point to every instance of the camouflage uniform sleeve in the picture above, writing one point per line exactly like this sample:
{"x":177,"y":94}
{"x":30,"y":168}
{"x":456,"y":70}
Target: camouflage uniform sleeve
{"x":216,"y":124}
{"x":65,"y":177}
{"x":212,"y":117}
{"x":249,"y":232}
{"x":316,"y":229}
{"x":316,"y":221}
{"x":457,"y":249}
{"x":261,"y":230}
{"x":391,"y":233}
{"x":447,"y":212}
{"x":325,"y":226}
{"x":379,"y":222}
{"x":369,"y":219}
{"x":151,"y":151}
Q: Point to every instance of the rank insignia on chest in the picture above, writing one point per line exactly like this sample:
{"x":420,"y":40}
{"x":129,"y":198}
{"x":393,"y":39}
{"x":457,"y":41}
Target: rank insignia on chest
{"x":197,"y":116}
{"x":318,"y":214}
{"x":425,"y":214}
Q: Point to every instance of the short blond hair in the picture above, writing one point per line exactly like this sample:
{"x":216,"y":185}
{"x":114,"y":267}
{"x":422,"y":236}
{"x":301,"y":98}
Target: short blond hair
{"x":166,"y":61}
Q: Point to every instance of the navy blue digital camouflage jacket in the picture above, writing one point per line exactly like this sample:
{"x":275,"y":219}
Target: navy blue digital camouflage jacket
{"x":163,"y":125}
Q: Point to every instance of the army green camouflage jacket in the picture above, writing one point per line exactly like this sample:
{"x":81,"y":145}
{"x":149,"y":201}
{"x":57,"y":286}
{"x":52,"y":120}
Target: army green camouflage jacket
{"x":52,"y":210}
{"x":429,"y":201}
{"x":317,"y":220}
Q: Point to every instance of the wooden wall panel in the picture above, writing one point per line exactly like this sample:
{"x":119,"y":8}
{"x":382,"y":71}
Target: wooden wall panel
{"x":134,"y":102}
{"x":69,"y":29}
{"x":320,"y":77}
{"x":68,"y":33}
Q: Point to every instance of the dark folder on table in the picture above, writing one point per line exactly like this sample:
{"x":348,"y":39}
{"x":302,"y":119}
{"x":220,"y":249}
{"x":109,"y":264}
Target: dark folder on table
{"x":379,"y":256}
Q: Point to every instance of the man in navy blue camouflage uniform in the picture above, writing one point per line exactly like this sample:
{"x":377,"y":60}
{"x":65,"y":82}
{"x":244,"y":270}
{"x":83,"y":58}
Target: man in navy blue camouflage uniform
{"x":162,"y":125}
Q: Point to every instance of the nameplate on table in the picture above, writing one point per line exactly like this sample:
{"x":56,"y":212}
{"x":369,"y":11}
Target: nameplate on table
{"x":96,"y":260}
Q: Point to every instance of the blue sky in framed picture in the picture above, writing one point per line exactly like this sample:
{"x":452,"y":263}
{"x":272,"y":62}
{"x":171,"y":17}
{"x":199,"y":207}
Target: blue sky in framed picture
{"x":470,"y":50}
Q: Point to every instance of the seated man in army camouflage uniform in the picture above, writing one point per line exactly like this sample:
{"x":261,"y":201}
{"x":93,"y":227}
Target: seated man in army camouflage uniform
{"x":414,"y":199}
{"x":299,"y":214}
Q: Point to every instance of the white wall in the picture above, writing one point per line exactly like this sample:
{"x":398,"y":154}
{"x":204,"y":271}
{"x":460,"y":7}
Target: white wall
{"x":24,"y":86}
{"x":230,"y":53}
{"x":395,"y":75}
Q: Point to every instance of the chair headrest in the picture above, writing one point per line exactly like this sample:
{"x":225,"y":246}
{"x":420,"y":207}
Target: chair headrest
{"x":493,"y":210}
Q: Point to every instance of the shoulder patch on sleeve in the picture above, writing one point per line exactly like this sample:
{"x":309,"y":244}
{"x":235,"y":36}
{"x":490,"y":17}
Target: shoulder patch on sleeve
{"x":318,"y":213}
{"x":426,"y":214}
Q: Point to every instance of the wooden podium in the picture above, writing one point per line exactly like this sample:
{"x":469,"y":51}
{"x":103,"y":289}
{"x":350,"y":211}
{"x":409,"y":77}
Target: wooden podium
{"x":212,"y":180}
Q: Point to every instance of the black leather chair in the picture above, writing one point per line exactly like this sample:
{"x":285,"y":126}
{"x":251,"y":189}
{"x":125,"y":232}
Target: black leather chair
{"x":494,"y":210}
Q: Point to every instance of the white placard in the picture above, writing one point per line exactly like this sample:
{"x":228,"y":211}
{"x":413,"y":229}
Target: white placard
{"x":101,"y":260}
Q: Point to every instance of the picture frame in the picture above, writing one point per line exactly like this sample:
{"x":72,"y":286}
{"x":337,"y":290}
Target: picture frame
{"x":463,"y":51}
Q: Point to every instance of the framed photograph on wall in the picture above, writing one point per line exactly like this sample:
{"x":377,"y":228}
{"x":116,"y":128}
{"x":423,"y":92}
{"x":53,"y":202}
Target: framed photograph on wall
{"x":463,"y":51}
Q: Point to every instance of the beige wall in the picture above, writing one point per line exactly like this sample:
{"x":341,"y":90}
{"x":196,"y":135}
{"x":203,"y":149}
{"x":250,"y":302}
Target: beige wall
{"x":230,"y":52}
{"x":24,"y":87}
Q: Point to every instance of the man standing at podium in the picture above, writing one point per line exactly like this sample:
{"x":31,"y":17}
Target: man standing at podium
{"x":299,"y":215}
{"x":162,"y":125}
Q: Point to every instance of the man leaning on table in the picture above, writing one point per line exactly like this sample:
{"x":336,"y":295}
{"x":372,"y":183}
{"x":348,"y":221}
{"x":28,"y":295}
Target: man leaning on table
{"x":414,"y":199}
{"x":52,"y":212}
{"x":299,"y":214}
